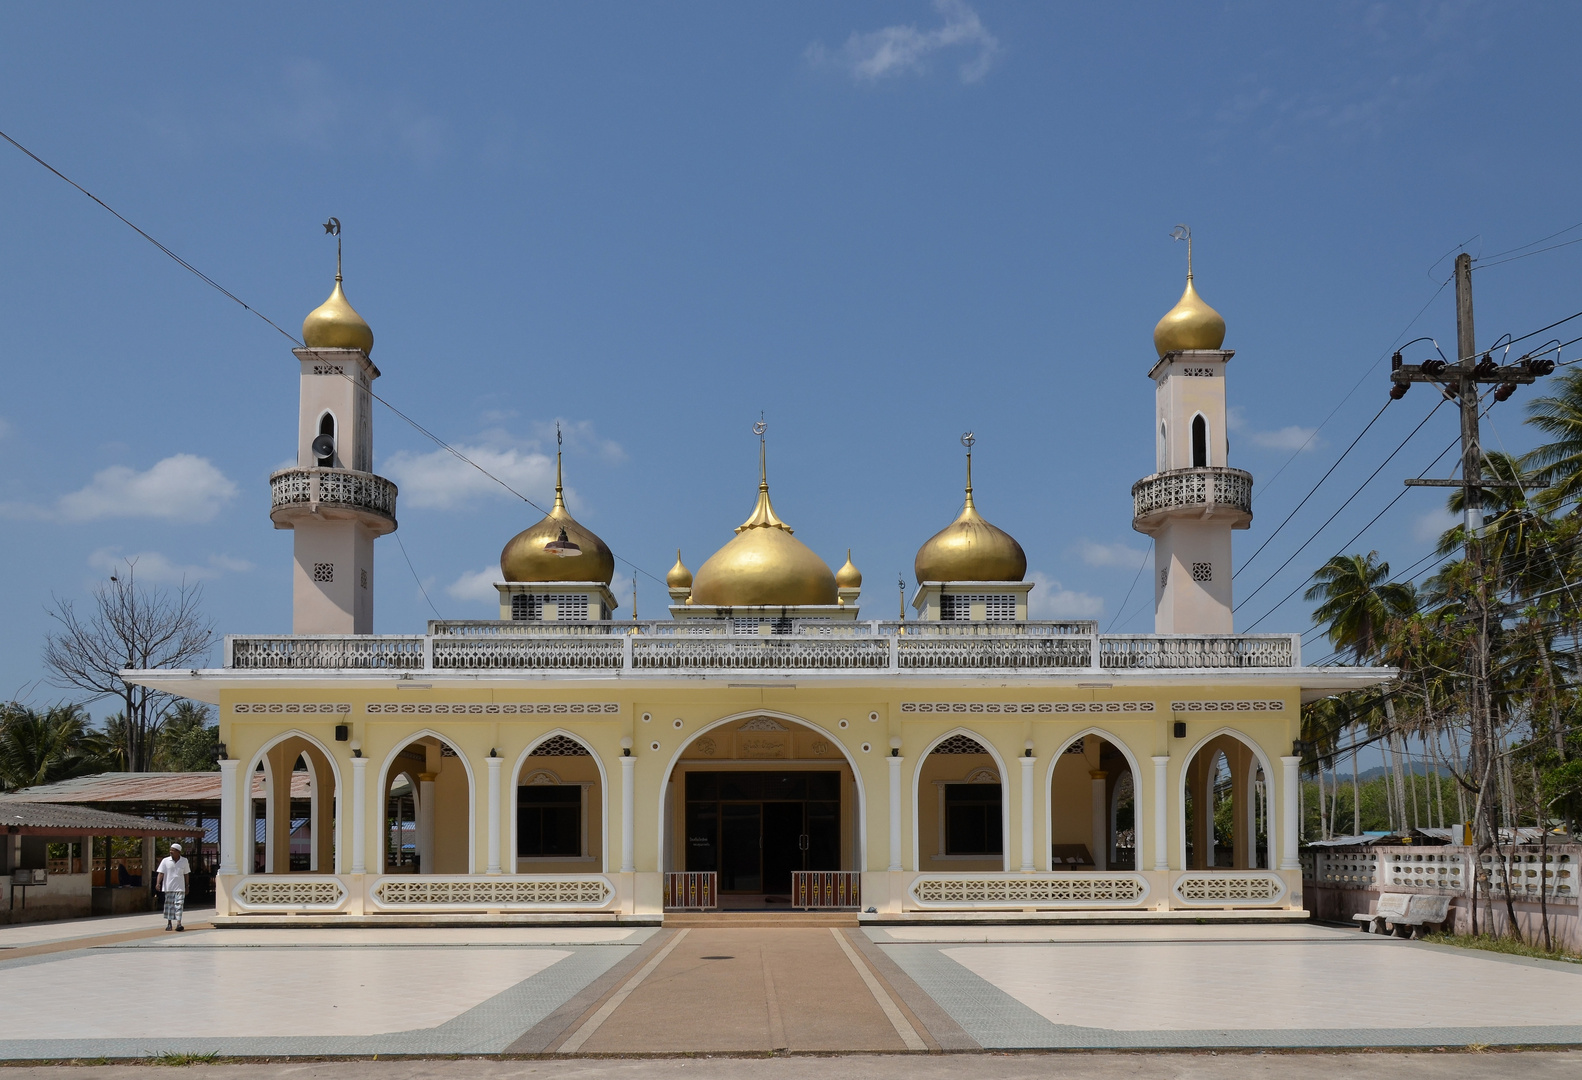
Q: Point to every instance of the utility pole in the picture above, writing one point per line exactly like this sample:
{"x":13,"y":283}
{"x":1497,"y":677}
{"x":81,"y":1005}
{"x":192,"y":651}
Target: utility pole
{"x":1460,"y":382}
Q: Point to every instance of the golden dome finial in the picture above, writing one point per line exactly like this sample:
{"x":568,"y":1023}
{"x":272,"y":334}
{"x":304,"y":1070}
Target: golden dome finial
{"x":763,"y":515}
{"x":848,"y":576}
{"x":559,"y":547}
{"x":970,"y":548}
{"x":679,"y":577}
{"x":335,"y":324}
{"x":1191,"y":324}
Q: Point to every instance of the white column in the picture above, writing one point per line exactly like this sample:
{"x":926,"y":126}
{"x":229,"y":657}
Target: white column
{"x":1099,"y":824}
{"x":1288,"y":787}
{"x":1027,"y":813}
{"x":895,"y":812}
{"x":425,"y":822}
{"x":494,"y":814}
{"x":629,"y":814}
{"x":1161,"y":817}
{"x":228,"y":797}
{"x":359,"y":815}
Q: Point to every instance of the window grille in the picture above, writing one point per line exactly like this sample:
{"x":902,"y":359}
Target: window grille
{"x":571,"y":608}
{"x":1164,"y":578}
{"x":560,"y":746}
{"x":958,"y":608}
{"x":955,"y":608}
{"x":364,"y":573}
{"x":1202,"y":571}
{"x":323,"y":571}
{"x":1076,"y":748}
{"x":527,"y":608}
{"x":1000,"y":608}
{"x":960,"y":744}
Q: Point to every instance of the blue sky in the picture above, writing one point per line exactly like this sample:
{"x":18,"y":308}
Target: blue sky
{"x":882,"y":225}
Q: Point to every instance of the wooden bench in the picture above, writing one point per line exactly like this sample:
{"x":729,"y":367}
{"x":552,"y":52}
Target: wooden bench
{"x":1423,"y":911}
{"x":1391,"y":906}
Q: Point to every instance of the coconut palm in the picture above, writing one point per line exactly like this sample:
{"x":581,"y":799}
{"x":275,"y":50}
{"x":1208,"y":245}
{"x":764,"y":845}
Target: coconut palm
{"x":43,"y":747}
{"x":1558,"y":464}
{"x":1358,"y":603}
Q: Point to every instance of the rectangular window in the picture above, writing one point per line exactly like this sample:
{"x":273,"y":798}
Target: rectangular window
{"x":549,"y":821}
{"x":972,"y":819}
{"x":955,"y":608}
{"x":571,"y":608}
{"x":525,"y":608}
{"x":996,"y":608}
{"x":1000,"y":608}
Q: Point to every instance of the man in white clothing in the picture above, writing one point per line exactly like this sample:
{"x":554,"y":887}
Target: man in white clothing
{"x":173,"y":881}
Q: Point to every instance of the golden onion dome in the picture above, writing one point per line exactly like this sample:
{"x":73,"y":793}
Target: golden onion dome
{"x":848,"y":576}
{"x":335,"y":324}
{"x":530,"y":556}
{"x":764,"y":566}
{"x":679,"y":577}
{"x":970,"y":549}
{"x":1191,"y":324}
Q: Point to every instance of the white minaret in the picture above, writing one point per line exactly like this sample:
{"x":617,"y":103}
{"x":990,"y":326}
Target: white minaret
{"x":1194,"y":499}
{"x":331,"y":499}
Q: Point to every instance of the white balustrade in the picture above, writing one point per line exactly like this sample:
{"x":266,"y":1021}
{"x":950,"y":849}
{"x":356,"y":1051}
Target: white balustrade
{"x":1068,"y":890}
{"x":1229,"y":888}
{"x":521,"y":892}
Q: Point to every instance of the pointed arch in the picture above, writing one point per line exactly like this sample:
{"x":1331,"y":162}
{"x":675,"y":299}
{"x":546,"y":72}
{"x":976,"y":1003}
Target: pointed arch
{"x":1202,"y":457}
{"x":1262,"y":760}
{"x":604,"y":793}
{"x":835,"y":740}
{"x":262,"y":755}
{"x":401,"y":743}
{"x":1005,"y":797}
{"x":1131,"y":762}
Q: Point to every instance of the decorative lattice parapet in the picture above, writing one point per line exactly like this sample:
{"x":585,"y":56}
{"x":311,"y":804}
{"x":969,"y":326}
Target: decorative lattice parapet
{"x":1174,"y":651}
{"x":1201,"y":491}
{"x":338,"y":488}
{"x":1077,"y":889}
{"x":289,"y":892}
{"x":1229,"y":888}
{"x":1003,"y":653}
{"x":313,"y":651}
{"x":552,"y":892}
{"x":1345,"y":870}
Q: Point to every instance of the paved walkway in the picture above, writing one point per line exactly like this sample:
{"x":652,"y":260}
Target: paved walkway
{"x":88,"y":990}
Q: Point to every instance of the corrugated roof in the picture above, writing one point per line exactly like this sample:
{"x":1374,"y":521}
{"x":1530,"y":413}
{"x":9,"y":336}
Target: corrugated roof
{"x":24,"y":815}
{"x":125,"y":787}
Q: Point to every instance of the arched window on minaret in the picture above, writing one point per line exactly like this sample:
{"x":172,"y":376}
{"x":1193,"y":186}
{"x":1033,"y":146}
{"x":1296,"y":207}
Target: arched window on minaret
{"x":1199,"y":442}
{"x":327,"y":427}
{"x":1164,"y":448}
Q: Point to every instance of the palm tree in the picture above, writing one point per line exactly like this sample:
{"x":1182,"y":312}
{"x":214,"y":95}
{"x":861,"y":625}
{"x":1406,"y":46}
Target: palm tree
{"x":1558,"y":464}
{"x":1359,"y":602}
{"x":41,"y":748}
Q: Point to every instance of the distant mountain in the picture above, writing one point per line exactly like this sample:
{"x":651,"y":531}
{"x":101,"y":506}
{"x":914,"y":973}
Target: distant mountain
{"x":1343,"y":770}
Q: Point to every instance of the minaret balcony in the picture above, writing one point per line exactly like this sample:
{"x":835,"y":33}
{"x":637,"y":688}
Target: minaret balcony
{"x":332,"y":493}
{"x":1192,"y":493}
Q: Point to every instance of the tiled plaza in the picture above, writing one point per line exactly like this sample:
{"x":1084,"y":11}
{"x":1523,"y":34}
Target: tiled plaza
{"x":121,"y":988}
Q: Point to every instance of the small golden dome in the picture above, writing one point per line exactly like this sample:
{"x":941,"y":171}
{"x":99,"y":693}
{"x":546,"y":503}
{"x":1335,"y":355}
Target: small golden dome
{"x":848,"y":576}
{"x":335,"y":324}
{"x":764,"y":566}
{"x":970,"y":549}
{"x":527,"y":556}
{"x":679,"y":577}
{"x":1191,"y":324}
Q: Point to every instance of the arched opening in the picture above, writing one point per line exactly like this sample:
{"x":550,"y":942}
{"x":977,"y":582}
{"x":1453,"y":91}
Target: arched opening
{"x":1225,"y":807}
{"x":558,"y":826}
{"x":960,"y":808}
{"x":431,"y":834}
{"x":756,"y":798}
{"x":1199,"y":442}
{"x":1092,"y":806}
{"x":292,"y":808}
{"x":1163,"y":454}
{"x":327,"y":427}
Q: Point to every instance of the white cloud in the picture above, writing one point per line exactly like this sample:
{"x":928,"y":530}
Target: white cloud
{"x":1291,"y":438}
{"x":478,"y":586}
{"x":1049,"y":600}
{"x":438,"y":480}
{"x":901,"y":50}
{"x":1427,"y":528}
{"x":180,"y":488}
{"x":1116,"y":554}
{"x":153,"y":568}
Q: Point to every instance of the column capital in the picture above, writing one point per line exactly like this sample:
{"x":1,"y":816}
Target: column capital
{"x":1161,"y":759}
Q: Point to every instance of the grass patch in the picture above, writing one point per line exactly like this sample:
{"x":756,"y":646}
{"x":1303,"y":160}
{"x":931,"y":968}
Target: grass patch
{"x":183,"y":1060}
{"x":1509,"y":946}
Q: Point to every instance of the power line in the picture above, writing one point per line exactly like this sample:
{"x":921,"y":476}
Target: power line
{"x":1135,"y":578}
{"x":207,"y":280}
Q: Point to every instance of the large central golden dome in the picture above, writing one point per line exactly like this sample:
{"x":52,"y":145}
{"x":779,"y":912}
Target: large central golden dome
{"x":764,"y":566}
{"x":527,"y":556}
{"x":970,"y":549}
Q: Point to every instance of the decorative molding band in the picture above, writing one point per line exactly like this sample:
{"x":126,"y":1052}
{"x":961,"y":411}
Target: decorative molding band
{"x":992,"y":707}
{"x":1227,"y":706}
{"x":417,"y":891}
{"x":1229,"y":888}
{"x":292,"y":707}
{"x":439,"y":708}
{"x":292,"y":892}
{"x":1072,"y":889}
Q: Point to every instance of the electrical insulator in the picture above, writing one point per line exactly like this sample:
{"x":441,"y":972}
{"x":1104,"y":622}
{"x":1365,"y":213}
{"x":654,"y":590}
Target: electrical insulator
{"x":1434,"y":368}
{"x":1398,"y":391}
{"x":1505,"y":391}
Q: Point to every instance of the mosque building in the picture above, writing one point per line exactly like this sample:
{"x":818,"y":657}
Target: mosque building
{"x":765,"y":747}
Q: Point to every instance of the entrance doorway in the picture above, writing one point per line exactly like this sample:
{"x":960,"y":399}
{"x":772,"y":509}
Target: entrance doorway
{"x":755,"y":828}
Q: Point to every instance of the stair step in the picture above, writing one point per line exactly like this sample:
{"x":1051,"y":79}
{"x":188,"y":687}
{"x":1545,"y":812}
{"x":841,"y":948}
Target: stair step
{"x":755,"y":920}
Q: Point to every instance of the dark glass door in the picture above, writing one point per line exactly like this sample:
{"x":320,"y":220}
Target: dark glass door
{"x":741,"y":855}
{"x":784,"y":844}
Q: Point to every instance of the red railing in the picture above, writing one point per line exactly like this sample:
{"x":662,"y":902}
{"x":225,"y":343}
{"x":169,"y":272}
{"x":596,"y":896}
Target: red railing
{"x":826,"y":889}
{"x":692,"y":890}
